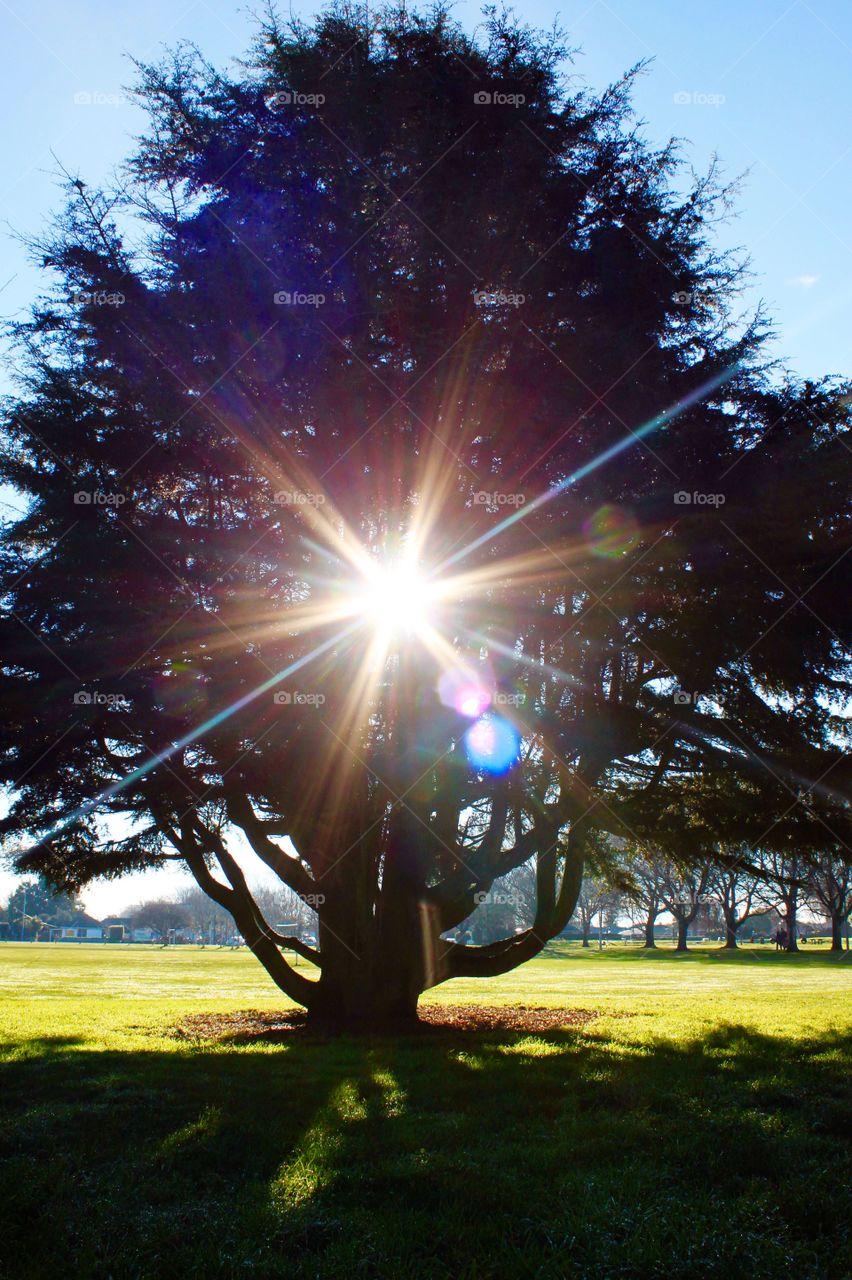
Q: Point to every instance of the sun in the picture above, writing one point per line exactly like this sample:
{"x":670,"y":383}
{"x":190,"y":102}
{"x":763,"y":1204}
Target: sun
{"x":397,"y":599}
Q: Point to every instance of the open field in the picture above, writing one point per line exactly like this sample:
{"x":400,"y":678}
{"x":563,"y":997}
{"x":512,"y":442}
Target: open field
{"x":707,"y":1134}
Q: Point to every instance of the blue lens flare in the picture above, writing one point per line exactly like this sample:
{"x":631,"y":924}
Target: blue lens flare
{"x":492,"y":744}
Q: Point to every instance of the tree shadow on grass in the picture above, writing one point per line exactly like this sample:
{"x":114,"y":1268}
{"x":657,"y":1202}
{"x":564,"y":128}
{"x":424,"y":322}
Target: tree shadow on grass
{"x":460,"y":1155}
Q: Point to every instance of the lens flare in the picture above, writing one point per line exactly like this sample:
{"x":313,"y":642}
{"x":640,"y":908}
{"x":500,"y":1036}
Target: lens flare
{"x":611,"y":532}
{"x":465,"y":692}
{"x":492,"y":744}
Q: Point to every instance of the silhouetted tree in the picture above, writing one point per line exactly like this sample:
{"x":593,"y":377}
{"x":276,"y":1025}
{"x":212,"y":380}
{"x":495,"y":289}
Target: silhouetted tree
{"x":390,"y":285}
{"x":642,"y":880}
{"x":829,"y":887}
{"x":737,"y":891}
{"x":683,"y":893}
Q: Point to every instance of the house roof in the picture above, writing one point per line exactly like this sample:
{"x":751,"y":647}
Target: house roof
{"x":80,"y":920}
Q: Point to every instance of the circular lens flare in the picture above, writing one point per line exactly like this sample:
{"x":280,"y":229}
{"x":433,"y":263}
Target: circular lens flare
{"x":492,"y":744}
{"x":463,"y":690}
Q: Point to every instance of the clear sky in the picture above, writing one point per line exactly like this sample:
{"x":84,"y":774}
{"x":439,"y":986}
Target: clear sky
{"x":767,"y":84}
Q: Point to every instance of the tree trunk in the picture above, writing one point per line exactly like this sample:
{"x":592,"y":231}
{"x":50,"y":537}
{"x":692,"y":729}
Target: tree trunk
{"x":360,"y":994}
{"x":376,"y":980}
{"x":587,"y":928}
{"x":730,"y":933}
{"x":649,"y":932}
{"x":836,"y":932}
{"x":791,"y":904}
{"x":682,"y":927}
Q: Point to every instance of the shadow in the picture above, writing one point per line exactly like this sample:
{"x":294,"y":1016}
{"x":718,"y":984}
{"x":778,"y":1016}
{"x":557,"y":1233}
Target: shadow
{"x":469,"y":1155}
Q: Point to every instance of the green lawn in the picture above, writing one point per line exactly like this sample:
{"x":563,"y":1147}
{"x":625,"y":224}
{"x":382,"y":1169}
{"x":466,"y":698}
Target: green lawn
{"x":705,"y":1135}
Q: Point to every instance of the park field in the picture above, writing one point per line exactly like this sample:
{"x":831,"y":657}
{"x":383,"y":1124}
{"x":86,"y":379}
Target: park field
{"x":698,"y":1125}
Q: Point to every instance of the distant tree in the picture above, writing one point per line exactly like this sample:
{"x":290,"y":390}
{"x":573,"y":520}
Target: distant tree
{"x":829,"y":887}
{"x":784,"y":887}
{"x":34,"y":902}
{"x":600,"y":899}
{"x":205,"y":918}
{"x":282,"y":906}
{"x":161,"y":915}
{"x":644,"y":884}
{"x":737,"y":891}
{"x":683,"y":891}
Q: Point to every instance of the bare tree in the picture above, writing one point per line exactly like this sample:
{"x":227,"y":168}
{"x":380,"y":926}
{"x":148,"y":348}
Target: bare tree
{"x":590,"y":902}
{"x":207,"y":920}
{"x":644,"y":885}
{"x":161,"y":915}
{"x":829,"y":886}
{"x":784,"y":885}
{"x":683,"y":892}
{"x":737,"y":892}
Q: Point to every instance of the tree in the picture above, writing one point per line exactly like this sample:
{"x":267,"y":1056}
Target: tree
{"x":644,"y":884}
{"x":683,"y":892}
{"x":783,"y":889}
{"x":596,"y":898}
{"x":829,"y":886}
{"x":34,"y":902}
{"x":207,"y":920}
{"x":161,"y":915}
{"x":384,"y":531}
{"x":736,"y":890}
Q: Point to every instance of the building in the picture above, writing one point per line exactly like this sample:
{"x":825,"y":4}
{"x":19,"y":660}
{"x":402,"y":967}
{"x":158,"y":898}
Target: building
{"x":80,"y":928}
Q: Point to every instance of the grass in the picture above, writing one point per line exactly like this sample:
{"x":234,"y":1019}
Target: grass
{"x":707,"y":1134}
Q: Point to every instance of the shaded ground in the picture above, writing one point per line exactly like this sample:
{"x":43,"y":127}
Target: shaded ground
{"x":245,"y":1025}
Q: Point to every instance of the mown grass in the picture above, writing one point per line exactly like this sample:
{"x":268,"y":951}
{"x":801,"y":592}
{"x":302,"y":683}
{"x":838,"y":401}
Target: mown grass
{"x":707,"y":1134}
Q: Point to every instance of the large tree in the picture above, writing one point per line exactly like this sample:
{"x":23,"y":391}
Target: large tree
{"x":405,"y":499}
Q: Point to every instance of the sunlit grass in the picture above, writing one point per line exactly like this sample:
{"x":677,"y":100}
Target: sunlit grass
{"x":705,"y":1134}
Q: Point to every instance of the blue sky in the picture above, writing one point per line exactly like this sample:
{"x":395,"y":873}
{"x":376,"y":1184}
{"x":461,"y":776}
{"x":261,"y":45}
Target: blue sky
{"x":767,"y":84}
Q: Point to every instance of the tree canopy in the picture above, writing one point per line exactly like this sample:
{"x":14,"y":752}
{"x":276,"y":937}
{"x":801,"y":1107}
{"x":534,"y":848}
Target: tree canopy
{"x":408,"y":501}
